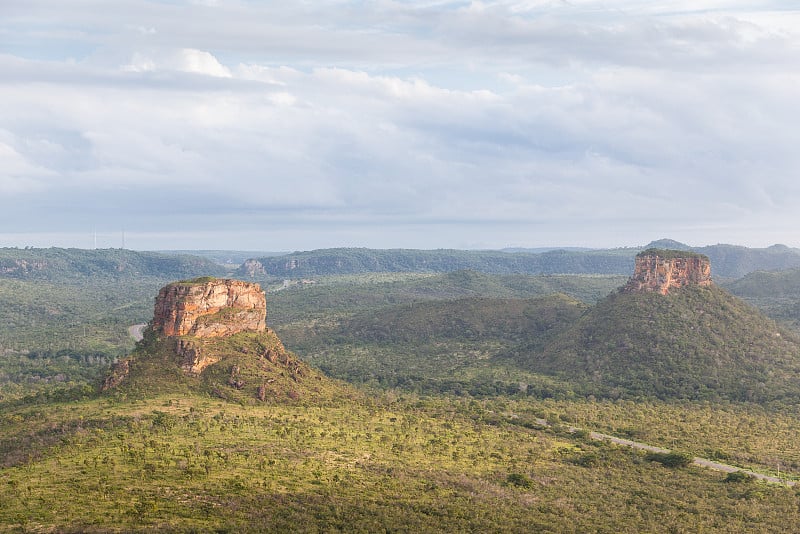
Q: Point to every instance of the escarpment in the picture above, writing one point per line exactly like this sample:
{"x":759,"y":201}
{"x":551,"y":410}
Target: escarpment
{"x":661,"y":270}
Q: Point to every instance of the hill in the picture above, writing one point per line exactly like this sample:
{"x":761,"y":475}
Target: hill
{"x":764,"y":284}
{"x":437,"y":346}
{"x":693,"y":343}
{"x":729,"y":261}
{"x":65,"y":313}
{"x":362,"y":260}
{"x":209,"y":335}
{"x":63,"y":265}
{"x":733,"y":261}
{"x":335,"y":295}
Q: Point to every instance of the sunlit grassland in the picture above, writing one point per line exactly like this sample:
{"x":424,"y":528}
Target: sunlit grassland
{"x":402,"y":463}
{"x":747,"y":435}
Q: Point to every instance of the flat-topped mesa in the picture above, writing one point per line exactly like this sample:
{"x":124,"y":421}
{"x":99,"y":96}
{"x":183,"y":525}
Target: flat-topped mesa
{"x":661,"y":270}
{"x":209,"y":307}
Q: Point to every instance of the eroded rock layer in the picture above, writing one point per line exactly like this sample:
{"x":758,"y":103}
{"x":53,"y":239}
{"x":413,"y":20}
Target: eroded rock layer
{"x":662,"y":270}
{"x":209,"y":307}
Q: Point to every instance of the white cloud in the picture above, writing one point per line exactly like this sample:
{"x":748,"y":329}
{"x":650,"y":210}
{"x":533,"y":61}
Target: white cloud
{"x":399,"y":114}
{"x":184,"y":60}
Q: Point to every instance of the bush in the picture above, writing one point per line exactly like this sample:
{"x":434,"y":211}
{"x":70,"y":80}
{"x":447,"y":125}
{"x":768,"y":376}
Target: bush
{"x":519,"y":480}
{"x":738,"y":476}
{"x":670,"y":459}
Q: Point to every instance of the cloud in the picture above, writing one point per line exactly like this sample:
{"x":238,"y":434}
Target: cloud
{"x":388,"y":117}
{"x":184,"y":60}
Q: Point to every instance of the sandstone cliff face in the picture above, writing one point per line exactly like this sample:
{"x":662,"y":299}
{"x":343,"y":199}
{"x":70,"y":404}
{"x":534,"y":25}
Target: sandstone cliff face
{"x":660,"y":271}
{"x":209,"y":308}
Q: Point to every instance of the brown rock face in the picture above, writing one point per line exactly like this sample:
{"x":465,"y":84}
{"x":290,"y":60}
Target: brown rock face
{"x":209,"y":308}
{"x":662,"y":270}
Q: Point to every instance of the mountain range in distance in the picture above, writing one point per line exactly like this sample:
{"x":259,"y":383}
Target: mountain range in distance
{"x":729,"y":261}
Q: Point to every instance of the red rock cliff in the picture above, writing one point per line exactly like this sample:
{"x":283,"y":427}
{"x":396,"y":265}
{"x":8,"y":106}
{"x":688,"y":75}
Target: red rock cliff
{"x":209,"y":308}
{"x":662,"y":270}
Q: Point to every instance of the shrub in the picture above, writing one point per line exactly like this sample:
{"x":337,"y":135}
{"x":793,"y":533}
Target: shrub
{"x":670,"y":459}
{"x":520,"y":480}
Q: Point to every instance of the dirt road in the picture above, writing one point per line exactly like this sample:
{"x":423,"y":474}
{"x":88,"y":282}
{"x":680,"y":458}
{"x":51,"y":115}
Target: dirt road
{"x":700,"y":462}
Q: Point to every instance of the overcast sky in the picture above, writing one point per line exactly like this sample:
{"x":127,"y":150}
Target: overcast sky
{"x":215,"y":124}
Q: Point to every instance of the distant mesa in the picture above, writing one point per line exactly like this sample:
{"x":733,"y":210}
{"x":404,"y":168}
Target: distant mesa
{"x":659,"y":270}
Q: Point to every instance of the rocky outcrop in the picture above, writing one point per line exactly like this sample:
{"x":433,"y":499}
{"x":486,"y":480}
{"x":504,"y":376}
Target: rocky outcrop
{"x":659,"y":271}
{"x":253,"y":268}
{"x":209,"y":335}
{"x":209,"y":307}
{"x":193,"y":358}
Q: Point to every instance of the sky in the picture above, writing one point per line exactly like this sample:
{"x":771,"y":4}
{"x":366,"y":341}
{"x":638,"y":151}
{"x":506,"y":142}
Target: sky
{"x":277,"y":126}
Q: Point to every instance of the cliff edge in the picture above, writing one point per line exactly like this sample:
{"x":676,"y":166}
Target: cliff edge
{"x":659,"y":270}
{"x":209,"y":307}
{"x":211,"y":333}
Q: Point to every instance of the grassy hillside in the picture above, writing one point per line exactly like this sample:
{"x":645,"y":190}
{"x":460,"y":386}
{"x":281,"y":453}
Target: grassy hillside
{"x":437,"y":346}
{"x":248,"y":368}
{"x":697,"y":343}
{"x":189,"y":463}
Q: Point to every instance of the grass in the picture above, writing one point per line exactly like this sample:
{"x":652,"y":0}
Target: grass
{"x":194,"y":463}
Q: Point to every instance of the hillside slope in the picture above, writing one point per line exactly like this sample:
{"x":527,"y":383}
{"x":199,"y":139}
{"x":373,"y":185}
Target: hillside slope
{"x":694,"y":343}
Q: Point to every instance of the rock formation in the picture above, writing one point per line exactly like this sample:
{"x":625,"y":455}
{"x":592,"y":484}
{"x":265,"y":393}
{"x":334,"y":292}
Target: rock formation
{"x":210,"y":335}
{"x":209,"y":307}
{"x":661,"y":270}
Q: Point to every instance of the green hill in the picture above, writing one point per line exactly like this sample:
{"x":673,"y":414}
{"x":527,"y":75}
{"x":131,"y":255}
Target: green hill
{"x":695,"y":343}
{"x":249,"y":367}
{"x":763,"y":284}
{"x":362,"y":260}
{"x":437,"y":346}
{"x":62,"y":265}
{"x":729,"y":261}
{"x":333,"y":295}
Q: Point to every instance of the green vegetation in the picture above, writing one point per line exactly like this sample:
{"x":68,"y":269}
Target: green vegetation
{"x":775,"y":293}
{"x":60,"y":265}
{"x":182,"y":462}
{"x":336,"y":295}
{"x":65,"y":313}
{"x":438,"y":346}
{"x":670,"y":459}
{"x":460,"y":370}
{"x":728,"y":261}
{"x":197,"y":281}
{"x":671,"y":253}
{"x":362,"y":260}
{"x":695,"y":343}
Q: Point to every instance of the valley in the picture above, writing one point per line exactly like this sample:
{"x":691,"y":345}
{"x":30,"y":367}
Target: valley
{"x":453,"y":401}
